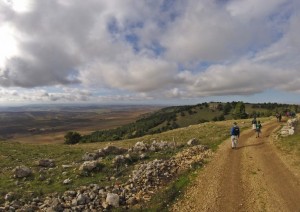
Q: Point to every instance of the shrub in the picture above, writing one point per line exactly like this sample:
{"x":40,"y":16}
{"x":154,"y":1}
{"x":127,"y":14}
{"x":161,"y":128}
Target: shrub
{"x":72,"y":137}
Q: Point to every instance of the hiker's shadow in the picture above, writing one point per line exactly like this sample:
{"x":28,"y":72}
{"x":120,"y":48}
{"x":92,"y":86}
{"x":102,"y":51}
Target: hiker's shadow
{"x":250,"y":145}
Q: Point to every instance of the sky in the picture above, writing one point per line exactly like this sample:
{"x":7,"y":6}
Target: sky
{"x":149,"y":51}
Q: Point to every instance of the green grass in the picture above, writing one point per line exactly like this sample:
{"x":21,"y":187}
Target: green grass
{"x":13,"y":154}
{"x":200,"y":114}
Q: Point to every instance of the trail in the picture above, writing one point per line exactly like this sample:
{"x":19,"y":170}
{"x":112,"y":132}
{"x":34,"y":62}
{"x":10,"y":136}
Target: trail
{"x":250,"y":178}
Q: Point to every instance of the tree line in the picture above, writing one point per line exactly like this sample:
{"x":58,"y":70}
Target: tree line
{"x":165,"y":119}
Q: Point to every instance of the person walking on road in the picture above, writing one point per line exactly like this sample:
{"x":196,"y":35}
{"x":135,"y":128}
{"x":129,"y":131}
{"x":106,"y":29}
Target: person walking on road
{"x":235,"y":134}
{"x":254,"y":122}
{"x":258,"y":129}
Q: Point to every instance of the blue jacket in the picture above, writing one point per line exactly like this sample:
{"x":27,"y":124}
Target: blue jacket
{"x":235,"y":130}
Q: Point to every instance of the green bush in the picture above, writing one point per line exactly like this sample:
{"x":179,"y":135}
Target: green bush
{"x":72,"y":137}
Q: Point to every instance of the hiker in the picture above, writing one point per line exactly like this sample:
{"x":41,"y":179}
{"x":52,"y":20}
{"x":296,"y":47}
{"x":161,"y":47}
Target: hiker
{"x":258,"y":129}
{"x":279,"y":117}
{"x":254,"y":122}
{"x":235,"y":134}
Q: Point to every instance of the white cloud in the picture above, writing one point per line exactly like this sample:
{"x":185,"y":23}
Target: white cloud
{"x":147,"y":49}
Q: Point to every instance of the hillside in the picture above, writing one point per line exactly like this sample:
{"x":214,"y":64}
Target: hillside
{"x":80,"y":176}
{"x":63,"y":172}
{"x":182,"y":116}
{"x":150,"y":172}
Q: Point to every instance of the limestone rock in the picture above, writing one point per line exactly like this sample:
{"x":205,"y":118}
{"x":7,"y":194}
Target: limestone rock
{"x":22,"y":171}
{"x":90,"y":156}
{"x":67,"y":181}
{"x":88,"y":165}
{"x":113,"y":199}
{"x":192,"y":142}
{"x":46,"y":163}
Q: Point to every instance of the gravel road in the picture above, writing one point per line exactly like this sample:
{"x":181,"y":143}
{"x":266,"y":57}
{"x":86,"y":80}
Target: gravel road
{"x":254,"y":177}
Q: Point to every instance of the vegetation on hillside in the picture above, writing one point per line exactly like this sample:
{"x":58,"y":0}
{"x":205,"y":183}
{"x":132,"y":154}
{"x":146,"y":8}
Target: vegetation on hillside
{"x":181,"y":116}
{"x":45,"y":181}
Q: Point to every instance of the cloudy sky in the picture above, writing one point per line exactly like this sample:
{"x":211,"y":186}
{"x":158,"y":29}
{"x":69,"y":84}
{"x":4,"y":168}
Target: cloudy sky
{"x":149,"y":51}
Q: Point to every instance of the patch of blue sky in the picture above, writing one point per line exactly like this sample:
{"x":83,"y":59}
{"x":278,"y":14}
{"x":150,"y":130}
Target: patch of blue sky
{"x":170,"y":13}
{"x":273,"y":95}
{"x":280,"y":19}
{"x":133,"y":40}
{"x":134,"y":25}
{"x":112,"y":26}
{"x":157,"y":48}
{"x":167,"y":5}
{"x":196,"y":67}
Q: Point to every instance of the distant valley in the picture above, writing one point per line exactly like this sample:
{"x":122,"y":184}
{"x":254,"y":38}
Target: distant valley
{"x":48,"y":124}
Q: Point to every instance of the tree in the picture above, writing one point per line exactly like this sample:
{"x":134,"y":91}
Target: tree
{"x":72,"y":137}
{"x":227,"y":108}
{"x":240,"y":111}
{"x":220,"y":107}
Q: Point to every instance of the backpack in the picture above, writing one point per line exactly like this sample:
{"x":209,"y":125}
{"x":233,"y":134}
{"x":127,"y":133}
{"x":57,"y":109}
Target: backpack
{"x":235,"y":131}
{"x":258,"y":126}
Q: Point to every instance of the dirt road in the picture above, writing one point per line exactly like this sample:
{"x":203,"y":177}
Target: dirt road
{"x":250,"y":178}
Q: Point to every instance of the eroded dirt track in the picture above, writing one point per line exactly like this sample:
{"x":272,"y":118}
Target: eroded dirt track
{"x":250,"y":178}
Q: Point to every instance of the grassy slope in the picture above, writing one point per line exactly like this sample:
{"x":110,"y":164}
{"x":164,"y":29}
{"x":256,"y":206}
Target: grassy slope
{"x":202,"y":113}
{"x":14,"y":154}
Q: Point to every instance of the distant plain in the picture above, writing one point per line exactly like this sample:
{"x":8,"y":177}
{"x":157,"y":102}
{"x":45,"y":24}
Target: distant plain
{"x":46,"y":124}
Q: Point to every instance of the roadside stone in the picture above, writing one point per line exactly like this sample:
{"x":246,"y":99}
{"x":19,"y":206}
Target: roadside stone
{"x":66,"y":166}
{"x":9,"y":196}
{"x":46,"y":163}
{"x":88,"y":166}
{"x":192,"y":142}
{"x":132,"y":201}
{"x":90,"y":156}
{"x":82,"y":199}
{"x":67,"y":181}
{"x":119,"y":159}
{"x":113,"y":199}
{"x":22,"y":171}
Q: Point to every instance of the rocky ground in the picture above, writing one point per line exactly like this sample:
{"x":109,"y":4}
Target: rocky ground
{"x":147,"y":177}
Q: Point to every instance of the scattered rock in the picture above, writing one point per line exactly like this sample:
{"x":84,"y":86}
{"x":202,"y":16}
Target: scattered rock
{"x":46,"y":163}
{"x":82,"y":199}
{"x":113,"y":199}
{"x":289,"y":128}
{"x":9,"y":196}
{"x":192,"y":142}
{"x":67,"y":181}
{"x":132,"y":201}
{"x":145,"y":180}
{"x":66,"y":166}
{"x":22,"y":171}
{"x":90,"y":156}
{"x":89,"y":166}
{"x":119,"y":159}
